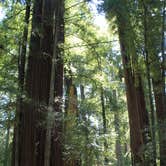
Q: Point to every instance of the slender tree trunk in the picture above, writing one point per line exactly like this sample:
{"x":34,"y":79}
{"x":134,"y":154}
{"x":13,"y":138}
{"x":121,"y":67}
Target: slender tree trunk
{"x":21,"y":76}
{"x":23,"y":51}
{"x":163,"y":49}
{"x":118,"y":148}
{"x":103,"y":111}
{"x":51,"y":113}
{"x":104,"y":122}
{"x":6,"y":154}
{"x":157,"y":81}
{"x":153,"y":124}
{"x":161,"y":119}
{"x":82,"y":92}
{"x":153,"y":117}
{"x":57,"y":139}
{"x":85,"y":129}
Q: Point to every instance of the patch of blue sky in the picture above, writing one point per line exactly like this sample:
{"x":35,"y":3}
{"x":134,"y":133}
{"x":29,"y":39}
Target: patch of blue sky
{"x":2,"y":13}
{"x":99,"y":18}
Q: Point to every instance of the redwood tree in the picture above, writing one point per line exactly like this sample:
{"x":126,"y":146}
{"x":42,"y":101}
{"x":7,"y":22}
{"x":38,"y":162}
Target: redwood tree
{"x":138,"y":116}
{"x":37,"y":85}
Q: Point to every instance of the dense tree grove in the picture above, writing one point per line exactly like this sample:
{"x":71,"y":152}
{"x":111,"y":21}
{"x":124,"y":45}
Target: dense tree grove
{"x":82,"y":83}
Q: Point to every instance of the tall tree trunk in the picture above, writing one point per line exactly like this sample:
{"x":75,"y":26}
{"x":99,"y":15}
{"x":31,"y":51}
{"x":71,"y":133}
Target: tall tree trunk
{"x":144,"y":122}
{"x":56,"y":60}
{"x":71,"y":113}
{"x":37,"y":87}
{"x":138,"y":117}
{"x":163,"y":49}
{"x":134,"y":119}
{"x":118,"y":148}
{"x":149,"y":84}
{"x":21,"y":76}
{"x":57,"y":140}
{"x":85,"y":129}
{"x":104,"y":122}
{"x":6,"y":153}
{"x":23,"y":49}
{"x":161,"y":119}
{"x":157,"y":78}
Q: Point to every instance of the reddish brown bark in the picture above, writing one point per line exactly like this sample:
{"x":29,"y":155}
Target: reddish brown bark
{"x":37,"y":91}
{"x":21,"y":77}
{"x":133,"y":100}
{"x":144,"y":119}
{"x":37,"y":87}
{"x":71,"y":113}
{"x":161,"y":119}
{"x":56,"y":151}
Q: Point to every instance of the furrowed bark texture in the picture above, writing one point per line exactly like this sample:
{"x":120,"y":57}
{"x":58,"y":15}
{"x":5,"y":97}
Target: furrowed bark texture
{"x":138,"y":117}
{"x":37,"y":86}
{"x":71,"y":114}
{"x":56,"y":150}
{"x":21,"y":78}
{"x":134,"y":120}
{"x":155,"y":70}
{"x":152,"y":112}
